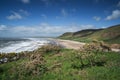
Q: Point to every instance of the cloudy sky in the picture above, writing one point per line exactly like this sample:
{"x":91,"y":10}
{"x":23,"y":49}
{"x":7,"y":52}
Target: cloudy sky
{"x":54,"y":17}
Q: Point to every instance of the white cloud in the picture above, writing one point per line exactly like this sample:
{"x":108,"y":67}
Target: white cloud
{"x":20,"y":14}
{"x":97,"y":18}
{"x":118,"y":5}
{"x":14,"y":16}
{"x":86,"y":27}
{"x":2,"y":27}
{"x":44,"y":16}
{"x":25,"y":1}
{"x":24,"y":29}
{"x":115,"y":15}
{"x":45,"y":29}
{"x":64,"y":12}
{"x":24,"y":12}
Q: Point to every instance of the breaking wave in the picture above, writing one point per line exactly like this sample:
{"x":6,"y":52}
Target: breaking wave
{"x":28,"y":44}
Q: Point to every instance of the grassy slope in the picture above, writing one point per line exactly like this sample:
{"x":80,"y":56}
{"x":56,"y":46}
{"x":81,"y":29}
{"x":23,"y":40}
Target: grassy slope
{"x":107,"y":34}
{"x":80,"y":35}
{"x":110,"y":35}
{"x":60,"y":68}
{"x":5,"y":69}
{"x":66,"y":72}
{"x":113,"y":40}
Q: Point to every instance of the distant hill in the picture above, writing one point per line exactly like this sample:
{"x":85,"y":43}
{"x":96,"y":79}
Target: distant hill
{"x":110,"y":35}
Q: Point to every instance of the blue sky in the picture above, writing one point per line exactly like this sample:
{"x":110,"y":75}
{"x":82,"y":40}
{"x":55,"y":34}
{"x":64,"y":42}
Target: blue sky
{"x":54,"y":17}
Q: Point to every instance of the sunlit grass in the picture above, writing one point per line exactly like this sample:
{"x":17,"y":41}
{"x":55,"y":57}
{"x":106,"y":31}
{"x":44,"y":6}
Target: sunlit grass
{"x":59,"y":66}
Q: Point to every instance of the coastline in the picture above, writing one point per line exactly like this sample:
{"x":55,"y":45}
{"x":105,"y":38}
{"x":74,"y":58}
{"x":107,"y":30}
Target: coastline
{"x":69,"y":44}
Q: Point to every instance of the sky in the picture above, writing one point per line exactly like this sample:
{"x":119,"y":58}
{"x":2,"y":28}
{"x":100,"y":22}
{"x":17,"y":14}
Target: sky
{"x":29,"y":18}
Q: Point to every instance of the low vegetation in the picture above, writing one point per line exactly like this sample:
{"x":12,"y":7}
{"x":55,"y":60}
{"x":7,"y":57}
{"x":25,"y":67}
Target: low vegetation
{"x":109,"y":35}
{"x":52,"y":62}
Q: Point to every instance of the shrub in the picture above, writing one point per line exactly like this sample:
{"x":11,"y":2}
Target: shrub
{"x":50,"y":48}
{"x":89,"y":56}
{"x":35,"y":66}
{"x":11,"y":56}
{"x":1,"y":70}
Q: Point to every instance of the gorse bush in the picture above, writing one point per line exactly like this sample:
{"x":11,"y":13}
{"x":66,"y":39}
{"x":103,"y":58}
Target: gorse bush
{"x":100,"y":45}
{"x":34,"y":66}
{"x":86,"y":64}
{"x":8,"y":57}
{"x":50,"y":48}
{"x":95,"y":46}
{"x":88,"y":57}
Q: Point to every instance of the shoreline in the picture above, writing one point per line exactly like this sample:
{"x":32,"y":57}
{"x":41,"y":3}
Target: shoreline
{"x":69,"y":44}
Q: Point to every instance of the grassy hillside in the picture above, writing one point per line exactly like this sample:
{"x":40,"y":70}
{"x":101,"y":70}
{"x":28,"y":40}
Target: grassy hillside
{"x":110,"y":35}
{"x":55,"y":63}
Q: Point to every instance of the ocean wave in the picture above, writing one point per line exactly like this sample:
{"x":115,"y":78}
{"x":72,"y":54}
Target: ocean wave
{"x":29,"y":45}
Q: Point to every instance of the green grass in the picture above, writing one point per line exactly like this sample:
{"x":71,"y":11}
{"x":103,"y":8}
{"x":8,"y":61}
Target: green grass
{"x":110,"y":71}
{"x":114,"y":40}
{"x":60,"y":67}
{"x":66,"y":72}
{"x":5,"y":69}
{"x":110,"y":35}
{"x":85,"y":40}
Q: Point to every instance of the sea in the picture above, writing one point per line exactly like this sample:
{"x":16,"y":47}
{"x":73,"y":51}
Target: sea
{"x":8,"y":45}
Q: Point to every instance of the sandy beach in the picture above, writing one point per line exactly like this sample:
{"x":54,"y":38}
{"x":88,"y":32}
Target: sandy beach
{"x":69,"y":44}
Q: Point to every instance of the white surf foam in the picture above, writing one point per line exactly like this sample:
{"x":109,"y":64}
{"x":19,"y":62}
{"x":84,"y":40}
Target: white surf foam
{"x":30,"y":45}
